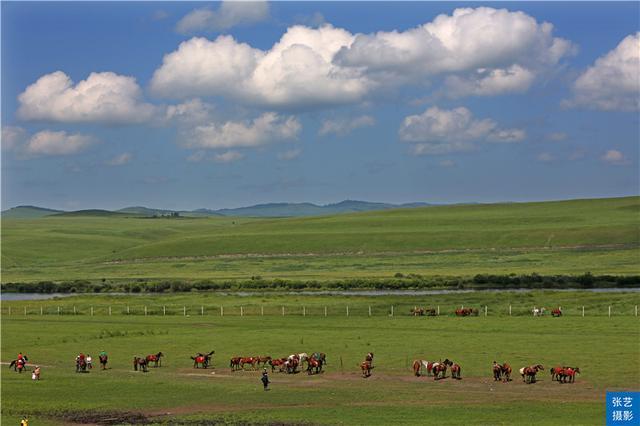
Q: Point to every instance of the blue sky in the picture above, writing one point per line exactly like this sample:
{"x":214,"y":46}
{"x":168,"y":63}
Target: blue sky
{"x":190,"y":105}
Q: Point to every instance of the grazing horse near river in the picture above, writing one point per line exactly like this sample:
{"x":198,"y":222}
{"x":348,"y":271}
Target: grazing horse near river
{"x":529,"y":373}
{"x":156,"y":359}
{"x":202,"y":359}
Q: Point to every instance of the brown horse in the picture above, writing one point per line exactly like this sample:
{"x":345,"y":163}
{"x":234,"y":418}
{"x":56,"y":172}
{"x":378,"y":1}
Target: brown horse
{"x":19,"y":364}
{"x":556,"y":312}
{"x":314,"y":364}
{"x":277,"y":363}
{"x":465,"y":312}
{"x":567,"y":373}
{"x":103,"y":361}
{"x":456,"y":371}
{"x":529,"y":373}
{"x":234,"y":363}
{"x":506,"y":372}
{"x":155,"y":358}
{"x":417,"y":364}
{"x":291,"y":364}
{"x":202,"y":359}
{"x":263,"y":360}
{"x":366,"y":368}
{"x":417,"y":312}
{"x":555,"y":372}
{"x":497,"y":371}
{"x":252,"y":361}
{"x":140,"y":363}
{"x":369,"y":357}
{"x":439,"y":369}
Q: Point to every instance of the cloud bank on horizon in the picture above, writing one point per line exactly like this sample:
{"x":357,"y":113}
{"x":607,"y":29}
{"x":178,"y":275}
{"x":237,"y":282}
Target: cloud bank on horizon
{"x":222,"y":97}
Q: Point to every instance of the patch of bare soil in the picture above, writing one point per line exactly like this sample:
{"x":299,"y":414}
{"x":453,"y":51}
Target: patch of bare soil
{"x":90,"y":417}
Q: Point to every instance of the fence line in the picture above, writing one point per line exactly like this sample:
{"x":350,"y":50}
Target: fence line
{"x":304,"y":310}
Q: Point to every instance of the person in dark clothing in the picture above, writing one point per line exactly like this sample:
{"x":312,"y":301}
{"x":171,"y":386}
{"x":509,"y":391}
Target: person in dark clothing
{"x":265,"y":379}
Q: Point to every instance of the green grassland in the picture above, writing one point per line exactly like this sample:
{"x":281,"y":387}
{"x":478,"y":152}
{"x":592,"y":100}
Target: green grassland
{"x":568,"y":237}
{"x":605,"y":349}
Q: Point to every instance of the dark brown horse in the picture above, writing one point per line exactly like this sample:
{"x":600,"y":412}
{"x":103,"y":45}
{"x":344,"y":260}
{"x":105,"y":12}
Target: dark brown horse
{"x":140,"y":364}
{"x":277,"y":363}
{"x":156,"y":359}
{"x":202,"y":359}
{"x":19,"y":364}
{"x":529,"y":373}
{"x":263,"y":360}
{"x":497,"y":371}
{"x":103,"y":361}
{"x":314,"y":364}
{"x":234,"y":363}
{"x":366,"y":368}
{"x":465,"y":312}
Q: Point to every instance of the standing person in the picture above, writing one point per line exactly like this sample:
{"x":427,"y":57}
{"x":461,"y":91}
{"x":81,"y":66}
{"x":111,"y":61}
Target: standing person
{"x":89,"y":360}
{"x":24,"y":421}
{"x":103,"y":359}
{"x":265,"y":379}
{"x":36,"y":373}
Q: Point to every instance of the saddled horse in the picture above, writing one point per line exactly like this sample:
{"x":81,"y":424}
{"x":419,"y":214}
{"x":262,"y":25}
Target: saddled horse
{"x":320,"y":356}
{"x":456,"y":371}
{"x":366,"y":368}
{"x":140,"y":364}
{"x":529,"y":373}
{"x":314,"y":364}
{"x":155,"y":358}
{"x":234,"y":363}
{"x":202,"y":359}
{"x":568,"y":373}
{"x":439,"y":369}
{"x":556,"y":312}
{"x":103,"y":361}
{"x":19,"y":364}
{"x":81,"y":364}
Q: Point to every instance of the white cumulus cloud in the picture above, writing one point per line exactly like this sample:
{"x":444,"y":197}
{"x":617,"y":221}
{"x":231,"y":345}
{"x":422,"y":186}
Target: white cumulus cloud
{"x":103,"y":97}
{"x":120,"y":160}
{"x":228,"y":157}
{"x":614,"y":157}
{"x":229,"y":14}
{"x":267,"y":128}
{"x":48,"y":142}
{"x":440,"y":131}
{"x":12,"y":137}
{"x":344,"y":126}
{"x":613,"y":82}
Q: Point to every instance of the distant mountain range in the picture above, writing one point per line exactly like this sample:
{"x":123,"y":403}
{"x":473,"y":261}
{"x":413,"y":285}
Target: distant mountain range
{"x":259,"y":210}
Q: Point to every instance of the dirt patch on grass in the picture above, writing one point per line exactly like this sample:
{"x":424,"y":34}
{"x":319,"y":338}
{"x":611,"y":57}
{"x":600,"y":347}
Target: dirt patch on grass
{"x":90,"y":417}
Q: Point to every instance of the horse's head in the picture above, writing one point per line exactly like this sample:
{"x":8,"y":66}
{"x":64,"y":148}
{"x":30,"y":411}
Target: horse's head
{"x":539,"y":367}
{"x":159,"y":354}
{"x":577,"y":370}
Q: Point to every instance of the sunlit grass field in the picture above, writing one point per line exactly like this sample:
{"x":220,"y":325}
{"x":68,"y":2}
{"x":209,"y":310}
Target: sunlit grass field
{"x":178,"y":394}
{"x":568,"y":237}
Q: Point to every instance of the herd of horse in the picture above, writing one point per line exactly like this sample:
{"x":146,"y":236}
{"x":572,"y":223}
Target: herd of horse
{"x":289,"y":364}
{"x":315,"y":362}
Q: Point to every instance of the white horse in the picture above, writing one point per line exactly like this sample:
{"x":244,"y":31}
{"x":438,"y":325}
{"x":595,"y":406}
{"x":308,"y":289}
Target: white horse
{"x":538,"y":312}
{"x":303,"y":357}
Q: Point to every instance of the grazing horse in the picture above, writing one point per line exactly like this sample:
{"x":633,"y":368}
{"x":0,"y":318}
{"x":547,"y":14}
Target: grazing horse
{"x":248,"y":360}
{"x":555,"y":372}
{"x":291,"y":364}
{"x":465,"y":312}
{"x":277,"y":363}
{"x":529,"y":373}
{"x":417,"y":312}
{"x":506,"y":372}
{"x":366,"y":368}
{"x":156,"y":359}
{"x":313,"y":363}
{"x":456,"y":371}
{"x":263,"y":360}
{"x":418,"y":364}
{"x":235,"y":363}
{"x":556,"y":312}
{"x":497,"y":371}
{"x":202,"y":359}
{"x":140,"y":363}
{"x":440,"y":367}
{"x":103,"y":361}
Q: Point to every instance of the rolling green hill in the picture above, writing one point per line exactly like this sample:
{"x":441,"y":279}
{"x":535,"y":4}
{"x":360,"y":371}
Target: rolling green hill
{"x":576,"y":236}
{"x":28,"y":212}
